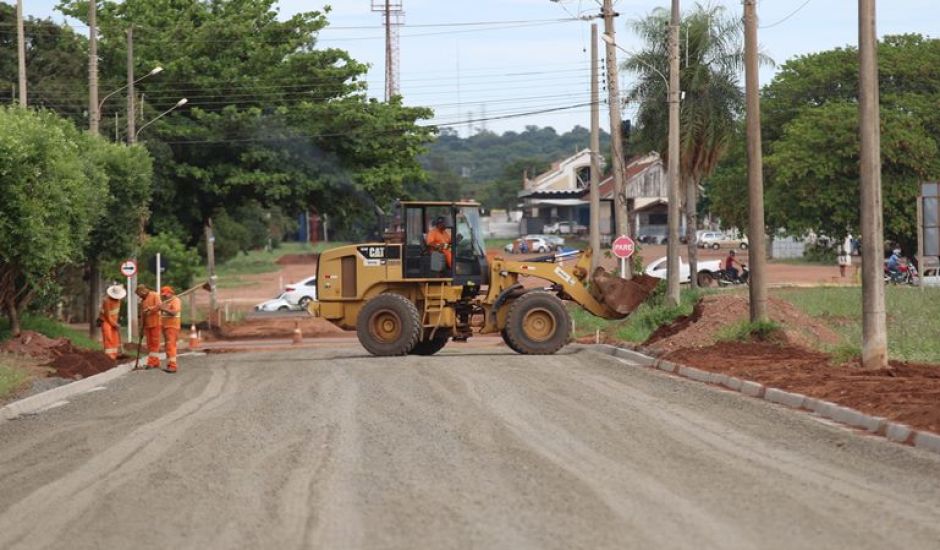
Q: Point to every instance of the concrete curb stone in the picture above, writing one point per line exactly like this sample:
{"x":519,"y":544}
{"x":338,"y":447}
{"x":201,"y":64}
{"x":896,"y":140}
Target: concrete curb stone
{"x":39,"y":401}
{"x":899,"y":433}
{"x":752,"y":389}
{"x":929,"y":441}
{"x":893,"y":431}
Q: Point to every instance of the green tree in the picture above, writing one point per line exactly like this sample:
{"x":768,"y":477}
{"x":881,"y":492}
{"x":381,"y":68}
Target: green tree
{"x":712,"y":57}
{"x":271,"y":116}
{"x":56,"y":65}
{"x":182,"y":262}
{"x":51,"y":202}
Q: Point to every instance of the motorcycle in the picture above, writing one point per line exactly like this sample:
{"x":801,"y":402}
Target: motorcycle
{"x":906,"y":274}
{"x":725,"y":278}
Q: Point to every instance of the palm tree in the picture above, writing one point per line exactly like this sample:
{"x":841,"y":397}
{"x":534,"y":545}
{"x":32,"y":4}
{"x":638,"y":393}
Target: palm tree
{"x":711,"y":60}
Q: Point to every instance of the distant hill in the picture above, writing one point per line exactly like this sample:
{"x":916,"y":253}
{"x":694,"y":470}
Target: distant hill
{"x":489,"y":167}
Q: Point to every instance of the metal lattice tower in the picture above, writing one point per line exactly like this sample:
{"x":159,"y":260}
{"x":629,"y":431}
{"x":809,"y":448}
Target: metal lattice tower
{"x":393,"y":17}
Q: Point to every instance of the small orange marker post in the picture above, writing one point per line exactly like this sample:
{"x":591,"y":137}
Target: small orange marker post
{"x":193,"y":337}
{"x":298,"y":336}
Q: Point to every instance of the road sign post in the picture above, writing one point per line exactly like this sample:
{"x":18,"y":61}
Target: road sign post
{"x":623,"y":247}
{"x":129,"y":269}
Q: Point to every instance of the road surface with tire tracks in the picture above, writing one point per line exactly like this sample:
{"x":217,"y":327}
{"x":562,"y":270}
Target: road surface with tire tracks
{"x":472,"y":448}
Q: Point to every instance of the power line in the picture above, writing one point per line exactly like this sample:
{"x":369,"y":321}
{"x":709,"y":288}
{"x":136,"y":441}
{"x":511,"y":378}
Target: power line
{"x":788,"y":17}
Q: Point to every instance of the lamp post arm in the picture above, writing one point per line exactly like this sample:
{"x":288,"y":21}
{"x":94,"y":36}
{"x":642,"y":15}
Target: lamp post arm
{"x":179,"y":104}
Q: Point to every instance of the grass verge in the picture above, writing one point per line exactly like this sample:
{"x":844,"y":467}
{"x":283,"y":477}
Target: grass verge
{"x":641,"y":324}
{"x":745,"y":331}
{"x":10,"y":379}
{"x":52,"y":329}
{"x":265,"y":261}
{"x":913,"y":318}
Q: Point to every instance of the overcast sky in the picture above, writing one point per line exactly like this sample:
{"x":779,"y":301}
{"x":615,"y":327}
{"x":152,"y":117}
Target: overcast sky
{"x":505,"y":60}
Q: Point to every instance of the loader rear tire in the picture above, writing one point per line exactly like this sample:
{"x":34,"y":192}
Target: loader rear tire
{"x":538,"y":324}
{"x":430,"y":347}
{"x":389,"y":324}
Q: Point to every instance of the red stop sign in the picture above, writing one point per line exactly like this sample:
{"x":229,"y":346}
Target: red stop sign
{"x":623,"y":247}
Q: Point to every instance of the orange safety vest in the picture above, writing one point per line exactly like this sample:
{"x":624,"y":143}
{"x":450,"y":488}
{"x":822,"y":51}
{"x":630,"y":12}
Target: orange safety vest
{"x":172,"y":319}
{"x":110,"y":311}
{"x":152,"y":303}
{"x":440,"y":240}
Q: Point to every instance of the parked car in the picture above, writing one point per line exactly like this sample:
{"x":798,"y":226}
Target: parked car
{"x":707,"y":270}
{"x":301,"y":293}
{"x":652,"y":238}
{"x":717,"y":239}
{"x":554,"y":240}
{"x":565,"y":228}
{"x":277,"y":304}
{"x":532,"y":244}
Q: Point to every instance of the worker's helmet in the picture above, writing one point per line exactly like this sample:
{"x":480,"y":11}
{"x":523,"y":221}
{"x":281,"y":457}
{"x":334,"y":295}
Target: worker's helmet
{"x":440,"y":221}
{"x":731,"y":252}
{"x":166,"y":291}
{"x":116,"y":291}
{"x":142,"y":289}
{"x":896,"y":251}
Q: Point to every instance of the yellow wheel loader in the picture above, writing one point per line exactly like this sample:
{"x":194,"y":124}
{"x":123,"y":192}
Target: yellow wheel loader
{"x":404,"y":295}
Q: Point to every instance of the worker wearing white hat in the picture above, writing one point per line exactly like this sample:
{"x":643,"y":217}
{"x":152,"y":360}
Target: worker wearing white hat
{"x":108,"y":319}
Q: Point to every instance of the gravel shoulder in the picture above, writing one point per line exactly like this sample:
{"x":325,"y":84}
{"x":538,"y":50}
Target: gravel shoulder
{"x":473,"y":448}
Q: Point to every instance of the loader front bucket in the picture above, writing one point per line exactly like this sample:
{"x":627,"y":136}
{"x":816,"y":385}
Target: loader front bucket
{"x":621,"y":295}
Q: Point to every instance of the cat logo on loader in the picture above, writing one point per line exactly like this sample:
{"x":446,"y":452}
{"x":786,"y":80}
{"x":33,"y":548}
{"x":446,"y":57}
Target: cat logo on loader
{"x":402,"y":297}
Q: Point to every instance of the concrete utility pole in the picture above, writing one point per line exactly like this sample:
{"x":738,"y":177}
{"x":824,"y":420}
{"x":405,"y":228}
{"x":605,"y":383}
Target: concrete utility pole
{"x":93,"y":114}
{"x":131,"y":123}
{"x":21,"y":51}
{"x":672,"y":242}
{"x":874,"y":322}
{"x":595,"y":155}
{"x":616,"y":138}
{"x":755,"y":169}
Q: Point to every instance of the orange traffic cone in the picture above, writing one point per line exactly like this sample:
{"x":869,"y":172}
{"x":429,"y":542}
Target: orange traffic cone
{"x":193,"y":337}
{"x":298,"y":337}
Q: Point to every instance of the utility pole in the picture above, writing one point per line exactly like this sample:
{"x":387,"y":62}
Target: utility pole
{"x":755,"y":169}
{"x":595,"y":155}
{"x":616,"y":138}
{"x":874,"y":322}
{"x":210,"y":268}
{"x":131,"y":123}
{"x":21,"y":51}
{"x":93,"y":115}
{"x":672,"y":240}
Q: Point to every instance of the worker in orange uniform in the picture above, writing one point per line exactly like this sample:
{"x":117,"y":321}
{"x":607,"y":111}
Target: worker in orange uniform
{"x":150,"y":323}
{"x":439,"y":239}
{"x":108,"y":320}
{"x":170,"y":317}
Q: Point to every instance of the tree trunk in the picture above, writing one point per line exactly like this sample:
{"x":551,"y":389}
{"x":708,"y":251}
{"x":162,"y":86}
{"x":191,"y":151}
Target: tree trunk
{"x":691,"y":216}
{"x":94,"y":297}
{"x":14,"y":318}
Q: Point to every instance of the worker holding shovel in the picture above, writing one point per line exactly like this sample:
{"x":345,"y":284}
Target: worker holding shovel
{"x":150,"y":321}
{"x":170,"y":312}
{"x":108,"y":320}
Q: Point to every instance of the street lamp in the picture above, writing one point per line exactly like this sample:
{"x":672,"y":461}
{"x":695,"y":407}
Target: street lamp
{"x":156,"y":70}
{"x":179,"y":104}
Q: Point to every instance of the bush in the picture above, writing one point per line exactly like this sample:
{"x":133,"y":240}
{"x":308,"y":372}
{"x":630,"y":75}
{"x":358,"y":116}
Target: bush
{"x":182,"y":262}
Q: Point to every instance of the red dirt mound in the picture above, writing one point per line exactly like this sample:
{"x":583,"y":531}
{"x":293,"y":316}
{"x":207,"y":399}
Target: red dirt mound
{"x":59,"y":353}
{"x":296,"y":259}
{"x":283,"y":327}
{"x":715,"y":312}
{"x":907,"y":393}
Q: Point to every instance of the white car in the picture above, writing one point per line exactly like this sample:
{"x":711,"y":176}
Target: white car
{"x":564,"y":228}
{"x":553,"y":240}
{"x":301,"y":293}
{"x":277,"y":304}
{"x":534,"y":243}
{"x":707,"y":269}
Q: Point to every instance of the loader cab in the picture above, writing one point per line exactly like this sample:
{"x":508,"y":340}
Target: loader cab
{"x":462,"y":259}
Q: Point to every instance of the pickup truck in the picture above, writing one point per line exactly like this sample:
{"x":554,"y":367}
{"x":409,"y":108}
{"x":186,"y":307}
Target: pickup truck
{"x":707,"y":270}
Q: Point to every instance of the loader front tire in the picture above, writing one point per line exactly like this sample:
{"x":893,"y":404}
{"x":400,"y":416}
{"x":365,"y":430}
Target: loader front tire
{"x":430,"y":347}
{"x":537,"y":324}
{"x":388,"y":325}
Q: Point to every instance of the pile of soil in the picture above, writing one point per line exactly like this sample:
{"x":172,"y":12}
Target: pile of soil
{"x":282,"y":327}
{"x":715,"y":312}
{"x":59,"y":354}
{"x":297,"y":259}
{"x":907,"y":393}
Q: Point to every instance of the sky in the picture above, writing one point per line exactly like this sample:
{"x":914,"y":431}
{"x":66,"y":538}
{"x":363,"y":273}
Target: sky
{"x":502,"y":65}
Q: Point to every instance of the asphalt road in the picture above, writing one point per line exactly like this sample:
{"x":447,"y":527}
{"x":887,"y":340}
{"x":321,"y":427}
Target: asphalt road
{"x":474,"y":448}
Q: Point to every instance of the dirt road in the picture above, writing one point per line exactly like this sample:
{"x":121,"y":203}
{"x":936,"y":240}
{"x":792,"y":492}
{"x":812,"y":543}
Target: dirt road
{"x":476,"y":448}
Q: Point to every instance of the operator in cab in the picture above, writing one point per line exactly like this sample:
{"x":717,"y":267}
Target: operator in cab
{"x":438,"y":239}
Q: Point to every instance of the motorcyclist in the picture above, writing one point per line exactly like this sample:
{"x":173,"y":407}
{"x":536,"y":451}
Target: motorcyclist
{"x":730,"y":270}
{"x":893,"y":264}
